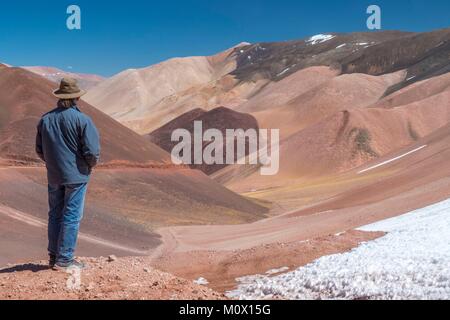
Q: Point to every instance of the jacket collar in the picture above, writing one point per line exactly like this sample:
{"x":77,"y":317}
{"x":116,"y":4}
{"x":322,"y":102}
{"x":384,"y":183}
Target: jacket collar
{"x":60,"y":106}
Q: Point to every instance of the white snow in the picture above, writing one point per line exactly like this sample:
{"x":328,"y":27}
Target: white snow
{"x":320,"y":38}
{"x":276,"y":271}
{"x":392,"y":160}
{"x":286,"y":70}
{"x":411,"y":262}
{"x":201,"y":281}
{"x":341,"y":46}
{"x":283,"y":72}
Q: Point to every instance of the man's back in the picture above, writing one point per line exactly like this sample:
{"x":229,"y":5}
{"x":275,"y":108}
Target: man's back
{"x":68,"y":142}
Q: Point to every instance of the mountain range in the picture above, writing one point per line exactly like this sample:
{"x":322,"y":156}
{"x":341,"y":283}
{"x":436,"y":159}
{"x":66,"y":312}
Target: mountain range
{"x":364,"y":122}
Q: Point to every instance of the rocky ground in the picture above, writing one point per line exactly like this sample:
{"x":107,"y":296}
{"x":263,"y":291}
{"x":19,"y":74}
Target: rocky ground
{"x":104,"y":279}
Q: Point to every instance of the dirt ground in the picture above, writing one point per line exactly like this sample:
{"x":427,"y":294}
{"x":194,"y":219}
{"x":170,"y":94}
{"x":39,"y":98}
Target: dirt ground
{"x":104,"y":279}
{"x":221,"y":268}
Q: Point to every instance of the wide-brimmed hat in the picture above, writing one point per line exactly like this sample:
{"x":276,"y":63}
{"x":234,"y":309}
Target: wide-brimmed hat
{"x":68,"y":89}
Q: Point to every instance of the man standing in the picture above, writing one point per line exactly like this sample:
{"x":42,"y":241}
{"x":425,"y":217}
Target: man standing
{"x":68,"y":142}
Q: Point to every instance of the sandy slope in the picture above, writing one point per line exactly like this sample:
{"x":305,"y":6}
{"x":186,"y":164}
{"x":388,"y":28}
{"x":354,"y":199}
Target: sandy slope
{"x":139,"y":97}
{"x":122,"y":279}
{"x":279,"y":93}
{"x":140,"y":89}
{"x":227,"y":91}
{"x":336,"y":94}
{"x":341,"y":136}
{"x":124,"y":208}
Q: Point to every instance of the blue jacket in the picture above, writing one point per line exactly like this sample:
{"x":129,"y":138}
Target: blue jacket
{"x":68,"y":141}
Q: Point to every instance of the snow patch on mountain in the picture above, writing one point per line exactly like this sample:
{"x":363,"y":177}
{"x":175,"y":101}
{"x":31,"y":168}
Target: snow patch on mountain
{"x":320,"y":38}
{"x":411,"y":262}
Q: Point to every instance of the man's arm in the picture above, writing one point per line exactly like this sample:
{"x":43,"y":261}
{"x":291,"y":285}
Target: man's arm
{"x":90,"y":141}
{"x":39,"y":149}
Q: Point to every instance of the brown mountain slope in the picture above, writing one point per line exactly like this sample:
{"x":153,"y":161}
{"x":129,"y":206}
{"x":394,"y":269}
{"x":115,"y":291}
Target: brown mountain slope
{"x":227,"y":91}
{"x":416,"y":92}
{"x":133,"y":193}
{"x":277,"y":60}
{"x":411,"y":177}
{"x":344,"y":141}
{"x":25,"y":97}
{"x":134,"y":96}
{"x":279,"y":93}
{"x":423,"y":55}
{"x":334,"y":95}
{"x":219,"y":118}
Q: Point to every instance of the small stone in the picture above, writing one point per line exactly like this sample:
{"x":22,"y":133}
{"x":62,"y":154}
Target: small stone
{"x":90,"y":287}
{"x":147,"y":270}
{"x":112,"y":258}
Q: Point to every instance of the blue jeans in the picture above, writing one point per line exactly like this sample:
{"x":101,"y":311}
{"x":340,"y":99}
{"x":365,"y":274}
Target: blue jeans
{"x":66,"y":204}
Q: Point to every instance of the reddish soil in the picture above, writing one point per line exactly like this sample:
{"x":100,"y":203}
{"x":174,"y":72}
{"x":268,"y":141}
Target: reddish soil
{"x":124,"y":208}
{"x":222,"y":268}
{"x":122,"y":279}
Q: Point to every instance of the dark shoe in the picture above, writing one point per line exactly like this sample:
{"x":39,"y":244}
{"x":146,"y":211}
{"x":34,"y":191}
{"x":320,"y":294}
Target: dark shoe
{"x":61,"y":266}
{"x":52,"y":261}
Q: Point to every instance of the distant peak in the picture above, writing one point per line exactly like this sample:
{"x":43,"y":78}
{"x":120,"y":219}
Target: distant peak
{"x":320,"y":38}
{"x":242,"y":44}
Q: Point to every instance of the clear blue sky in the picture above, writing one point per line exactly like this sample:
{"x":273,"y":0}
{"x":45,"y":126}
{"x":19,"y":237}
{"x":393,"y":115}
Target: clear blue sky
{"x":120,"y":34}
